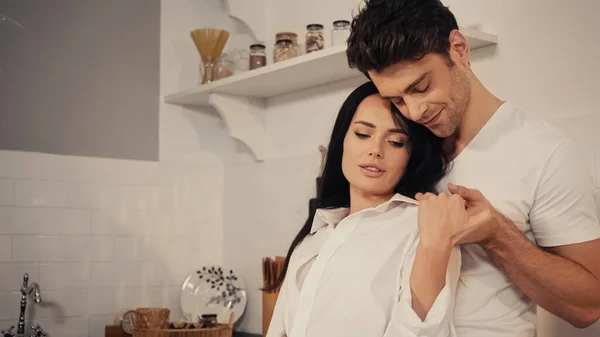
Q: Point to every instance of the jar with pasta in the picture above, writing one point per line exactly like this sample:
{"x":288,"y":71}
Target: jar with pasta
{"x":284,"y":50}
{"x":315,"y":39}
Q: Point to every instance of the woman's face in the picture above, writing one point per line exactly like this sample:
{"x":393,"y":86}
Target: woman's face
{"x":375,"y":152}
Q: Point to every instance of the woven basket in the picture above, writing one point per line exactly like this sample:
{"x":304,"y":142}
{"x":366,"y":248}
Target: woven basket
{"x":221,"y":330}
{"x":151,"y":318}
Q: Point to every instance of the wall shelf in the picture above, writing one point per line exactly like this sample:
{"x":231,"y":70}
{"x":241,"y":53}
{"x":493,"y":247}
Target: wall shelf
{"x":240,"y":99}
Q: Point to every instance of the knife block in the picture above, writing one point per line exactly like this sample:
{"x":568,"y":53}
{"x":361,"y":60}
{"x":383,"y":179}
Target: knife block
{"x":269,"y":299}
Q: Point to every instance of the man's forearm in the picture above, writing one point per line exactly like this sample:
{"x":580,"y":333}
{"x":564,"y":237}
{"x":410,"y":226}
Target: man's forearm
{"x":428,"y":276}
{"x":555,"y":283}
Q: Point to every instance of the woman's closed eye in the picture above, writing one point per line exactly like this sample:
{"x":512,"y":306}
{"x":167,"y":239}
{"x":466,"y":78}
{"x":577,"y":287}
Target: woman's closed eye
{"x":361,"y":135}
{"x":396,"y":143}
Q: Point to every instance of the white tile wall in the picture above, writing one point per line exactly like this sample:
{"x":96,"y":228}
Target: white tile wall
{"x":102,"y":301}
{"x":4,"y":309}
{"x":36,"y":193}
{"x":39,"y":248}
{"x":5,"y":247}
{"x":100,"y":235}
{"x":49,"y":221}
{"x":97,"y":324}
{"x":5,"y":218}
{"x":7,"y":188}
{"x":62,"y":275}
{"x":12,"y":273}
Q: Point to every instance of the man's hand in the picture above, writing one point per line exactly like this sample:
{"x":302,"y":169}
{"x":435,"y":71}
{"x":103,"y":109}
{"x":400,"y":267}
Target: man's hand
{"x":484,"y":219}
{"x":563,"y":280}
{"x":441,"y":218}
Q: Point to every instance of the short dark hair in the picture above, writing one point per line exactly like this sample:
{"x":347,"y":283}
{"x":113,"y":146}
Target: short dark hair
{"x":386,"y":32}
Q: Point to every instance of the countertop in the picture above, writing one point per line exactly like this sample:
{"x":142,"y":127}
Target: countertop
{"x":115,"y":331}
{"x":245,"y":334}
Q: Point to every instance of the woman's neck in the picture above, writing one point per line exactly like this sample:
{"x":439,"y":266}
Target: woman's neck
{"x":360,"y":200}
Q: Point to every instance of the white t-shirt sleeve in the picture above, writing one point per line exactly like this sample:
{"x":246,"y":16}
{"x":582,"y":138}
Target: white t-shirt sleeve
{"x":564,"y":211}
{"x":439,"y":321}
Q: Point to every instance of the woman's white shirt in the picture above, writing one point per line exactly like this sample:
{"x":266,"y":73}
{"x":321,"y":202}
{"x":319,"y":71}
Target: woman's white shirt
{"x":350,"y":277}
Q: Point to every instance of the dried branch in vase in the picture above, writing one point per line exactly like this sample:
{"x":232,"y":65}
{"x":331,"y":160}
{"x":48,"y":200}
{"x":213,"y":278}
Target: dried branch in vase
{"x":224,"y":285}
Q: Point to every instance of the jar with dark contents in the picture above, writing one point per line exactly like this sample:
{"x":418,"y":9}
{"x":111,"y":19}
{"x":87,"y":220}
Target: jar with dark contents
{"x":209,"y":321}
{"x":315,"y":40}
{"x":258,"y":56}
{"x":284,"y":50}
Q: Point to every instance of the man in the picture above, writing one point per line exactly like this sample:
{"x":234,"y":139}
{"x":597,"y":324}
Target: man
{"x":532,"y":235}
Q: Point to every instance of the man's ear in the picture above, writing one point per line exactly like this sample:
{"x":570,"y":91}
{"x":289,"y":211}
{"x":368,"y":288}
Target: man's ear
{"x":459,"y":47}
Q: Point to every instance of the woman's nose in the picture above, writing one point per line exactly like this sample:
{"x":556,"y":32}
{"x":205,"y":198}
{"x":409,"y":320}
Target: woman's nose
{"x":376,"y":153}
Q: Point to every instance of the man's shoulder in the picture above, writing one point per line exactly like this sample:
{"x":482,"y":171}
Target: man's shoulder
{"x":531,"y":126}
{"x":529,"y":136}
{"x":546,"y":146}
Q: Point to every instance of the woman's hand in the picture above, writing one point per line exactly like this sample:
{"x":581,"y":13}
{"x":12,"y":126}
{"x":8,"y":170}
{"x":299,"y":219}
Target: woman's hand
{"x":441,"y":218}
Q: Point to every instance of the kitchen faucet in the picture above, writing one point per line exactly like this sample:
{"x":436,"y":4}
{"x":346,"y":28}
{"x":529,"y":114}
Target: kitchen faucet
{"x":26,"y":289}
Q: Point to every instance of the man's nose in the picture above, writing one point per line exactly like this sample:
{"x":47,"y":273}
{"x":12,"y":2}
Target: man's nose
{"x":417,"y":110}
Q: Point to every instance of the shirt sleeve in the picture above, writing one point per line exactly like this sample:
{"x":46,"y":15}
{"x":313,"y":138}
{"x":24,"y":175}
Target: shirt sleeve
{"x":439,"y":321}
{"x":277,"y":326}
{"x":564,"y":210}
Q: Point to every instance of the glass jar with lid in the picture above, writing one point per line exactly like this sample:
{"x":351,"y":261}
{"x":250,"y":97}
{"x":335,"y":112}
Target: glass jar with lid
{"x":284,"y":50}
{"x":258,"y":56}
{"x":208,"y":321}
{"x":292,"y":37}
{"x":315,"y":39}
{"x":224,"y":67}
{"x":340,"y":32}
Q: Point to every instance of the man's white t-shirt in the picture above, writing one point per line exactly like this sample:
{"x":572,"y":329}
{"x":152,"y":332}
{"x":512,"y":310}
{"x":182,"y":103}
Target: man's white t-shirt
{"x":533,"y":174}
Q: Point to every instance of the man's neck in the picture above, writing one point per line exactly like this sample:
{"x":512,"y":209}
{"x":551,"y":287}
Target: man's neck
{"x":482,"y":106}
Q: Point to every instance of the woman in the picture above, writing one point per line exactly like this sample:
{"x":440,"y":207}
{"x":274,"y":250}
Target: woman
{"x":358,"y":267}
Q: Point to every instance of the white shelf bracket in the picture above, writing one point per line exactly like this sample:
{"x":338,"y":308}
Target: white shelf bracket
{"x":251,"y":12}
{"x":244,"y":118}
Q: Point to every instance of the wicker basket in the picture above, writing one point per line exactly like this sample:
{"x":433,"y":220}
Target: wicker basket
{"x":221,"y":330}
{"x":151,"y":318}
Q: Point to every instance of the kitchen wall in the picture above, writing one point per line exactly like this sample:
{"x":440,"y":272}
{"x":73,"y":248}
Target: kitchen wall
{"x":101,"y":234}
{"x":546,"y":63}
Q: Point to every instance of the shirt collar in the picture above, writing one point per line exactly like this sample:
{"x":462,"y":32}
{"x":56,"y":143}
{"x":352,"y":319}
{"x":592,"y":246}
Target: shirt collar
{"x":332,"y":216}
